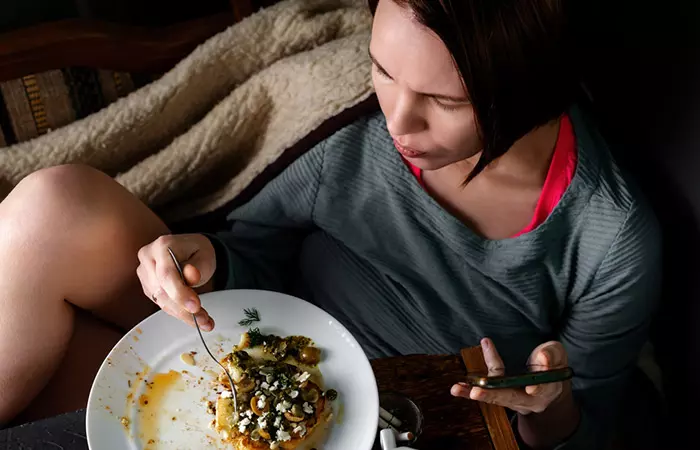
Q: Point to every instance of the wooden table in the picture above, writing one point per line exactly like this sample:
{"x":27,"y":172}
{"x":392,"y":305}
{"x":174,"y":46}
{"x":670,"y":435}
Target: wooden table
{"x":449,"y":423}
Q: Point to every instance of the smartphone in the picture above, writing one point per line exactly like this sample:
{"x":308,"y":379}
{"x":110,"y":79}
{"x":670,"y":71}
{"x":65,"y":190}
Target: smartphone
{"x":520,"y":380}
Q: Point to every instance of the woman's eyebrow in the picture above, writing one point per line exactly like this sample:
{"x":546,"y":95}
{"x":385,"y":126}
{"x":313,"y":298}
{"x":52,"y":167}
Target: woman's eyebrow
{"x":436,"y":96}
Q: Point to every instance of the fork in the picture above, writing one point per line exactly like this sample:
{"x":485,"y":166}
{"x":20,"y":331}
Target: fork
{"x":194,"y":317}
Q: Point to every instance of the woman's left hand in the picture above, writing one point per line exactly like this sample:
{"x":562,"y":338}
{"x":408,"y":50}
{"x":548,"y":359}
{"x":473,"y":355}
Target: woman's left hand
{"x":532,"y":399}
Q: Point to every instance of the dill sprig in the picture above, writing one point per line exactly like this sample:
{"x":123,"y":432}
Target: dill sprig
{"x":251,"y":316}
{"x":256,"y":337}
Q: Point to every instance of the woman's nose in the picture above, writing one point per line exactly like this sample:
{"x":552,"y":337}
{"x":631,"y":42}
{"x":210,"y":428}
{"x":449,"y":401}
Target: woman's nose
{"x":405,"y":118}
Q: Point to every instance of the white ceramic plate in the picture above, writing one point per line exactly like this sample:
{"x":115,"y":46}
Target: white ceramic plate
{"x":175,"y":416}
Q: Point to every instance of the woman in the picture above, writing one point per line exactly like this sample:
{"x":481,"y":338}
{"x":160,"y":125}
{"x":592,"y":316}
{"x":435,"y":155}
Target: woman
{"x":480,"y":203}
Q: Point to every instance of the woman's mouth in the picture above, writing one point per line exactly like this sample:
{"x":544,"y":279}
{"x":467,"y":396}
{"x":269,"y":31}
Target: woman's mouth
{"x":407,"y":152}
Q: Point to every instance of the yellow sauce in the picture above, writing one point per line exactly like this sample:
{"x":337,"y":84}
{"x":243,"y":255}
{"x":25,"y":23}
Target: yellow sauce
{"x":134,"y":386}
{"x":341,"y":412}
{"x":150,"y":405}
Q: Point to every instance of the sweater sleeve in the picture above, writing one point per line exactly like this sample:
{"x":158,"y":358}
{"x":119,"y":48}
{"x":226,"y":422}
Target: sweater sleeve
{"x":267,"y":232}
{"x":608,"y":325}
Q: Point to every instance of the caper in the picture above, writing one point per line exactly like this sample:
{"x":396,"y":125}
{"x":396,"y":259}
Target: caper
{"x":331,"y":394}
{"x":310,"y":355}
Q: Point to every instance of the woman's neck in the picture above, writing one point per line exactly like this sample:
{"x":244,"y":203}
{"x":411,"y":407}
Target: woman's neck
{"x":527,"y":161}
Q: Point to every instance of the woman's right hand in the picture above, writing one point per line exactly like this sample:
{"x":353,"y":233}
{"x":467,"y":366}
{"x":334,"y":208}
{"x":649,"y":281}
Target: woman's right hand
{"x":161,"y":281}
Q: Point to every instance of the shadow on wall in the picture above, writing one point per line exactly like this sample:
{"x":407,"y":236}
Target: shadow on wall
{"x":22,"y":13}
{"x":642,"y":66}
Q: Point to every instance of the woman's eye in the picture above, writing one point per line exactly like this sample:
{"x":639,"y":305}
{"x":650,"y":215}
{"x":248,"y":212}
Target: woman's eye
{"x":448,"y":106}
{"x":381,"y":73}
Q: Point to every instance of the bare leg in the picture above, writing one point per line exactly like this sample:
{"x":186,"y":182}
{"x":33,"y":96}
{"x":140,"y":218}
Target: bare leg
{"x":69,"y":237}
{"x":69,"y":387}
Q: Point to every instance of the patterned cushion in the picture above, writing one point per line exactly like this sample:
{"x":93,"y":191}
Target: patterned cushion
{"x":36,"y":104}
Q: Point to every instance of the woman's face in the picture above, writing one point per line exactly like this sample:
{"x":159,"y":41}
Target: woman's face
{"x":420,"y":91}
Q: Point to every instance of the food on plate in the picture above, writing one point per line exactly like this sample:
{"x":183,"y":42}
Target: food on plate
{"x":188,"y":358}
{"x":281,"y":403}
{"x":298,"y":348}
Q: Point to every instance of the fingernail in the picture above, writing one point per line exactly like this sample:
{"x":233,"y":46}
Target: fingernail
{"x":485,"y":343}
{"x":533,"y":390}
{"x":547,"y":355}
{"x":207,"y":325}
{"x":191,"y":306}
{"x":463,"y":384}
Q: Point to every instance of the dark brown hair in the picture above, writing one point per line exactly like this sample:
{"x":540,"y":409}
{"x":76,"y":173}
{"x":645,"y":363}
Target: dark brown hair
{"x":514,"y":58}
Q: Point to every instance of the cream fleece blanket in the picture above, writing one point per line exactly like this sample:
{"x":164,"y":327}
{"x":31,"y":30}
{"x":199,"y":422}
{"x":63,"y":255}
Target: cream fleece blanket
{"x":226,"y":112}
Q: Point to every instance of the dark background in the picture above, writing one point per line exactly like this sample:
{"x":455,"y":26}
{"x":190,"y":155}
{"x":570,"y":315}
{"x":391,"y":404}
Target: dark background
{"x":21,"y":13}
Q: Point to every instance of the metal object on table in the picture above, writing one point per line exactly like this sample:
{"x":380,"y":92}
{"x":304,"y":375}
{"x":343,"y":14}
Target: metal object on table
{"x":201,"y":336}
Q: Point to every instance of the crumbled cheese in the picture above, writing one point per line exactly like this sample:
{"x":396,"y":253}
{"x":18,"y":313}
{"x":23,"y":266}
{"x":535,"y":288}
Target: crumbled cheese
{"x":258,"y":393}
{"x":281,"y":408}
{"x":227,"y":394}
{"x":304,"y":376}
{"x":262,"y":423}
{"x":287,"y":404}
{"x":300,"y":429}
{"x":283,"y":435}
{"x":249,"y":413}
{"x":294,"y":394}
{"x":278,"y":422}
{"x":308,"y":409}
{"x":273,"y":388}
{"x":264,"y":385}
{"x":243,"y":424}
{"x":269,"y":379}
{"x":261,"y":402}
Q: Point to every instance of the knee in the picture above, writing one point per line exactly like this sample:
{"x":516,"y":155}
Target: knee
{"x":49,"y":197}
{"x":71,"y":184}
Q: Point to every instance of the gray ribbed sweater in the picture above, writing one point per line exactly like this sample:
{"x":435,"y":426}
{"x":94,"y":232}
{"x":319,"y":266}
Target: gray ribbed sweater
{"x":348,"y":227}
